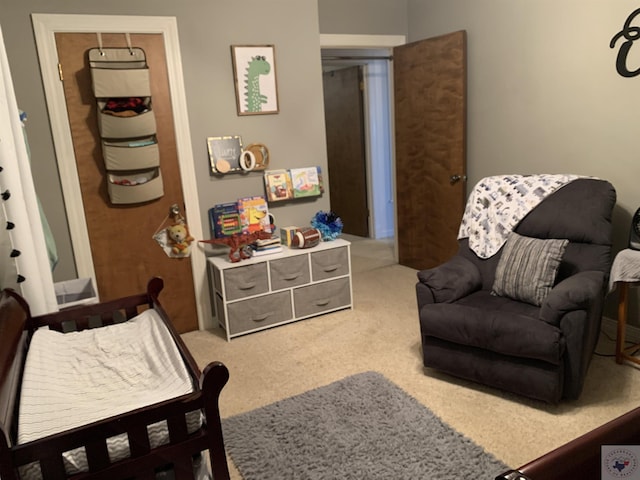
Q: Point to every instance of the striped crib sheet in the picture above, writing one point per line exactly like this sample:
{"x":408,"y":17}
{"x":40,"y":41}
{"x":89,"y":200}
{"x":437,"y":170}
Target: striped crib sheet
{"x":72,"y":379}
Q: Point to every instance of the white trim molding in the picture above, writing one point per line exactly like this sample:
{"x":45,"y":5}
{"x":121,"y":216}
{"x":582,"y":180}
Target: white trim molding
{"x":361,"y":41}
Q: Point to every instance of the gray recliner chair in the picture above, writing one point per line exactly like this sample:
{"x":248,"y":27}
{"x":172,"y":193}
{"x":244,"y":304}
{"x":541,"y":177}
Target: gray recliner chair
{"x":474,"y":325}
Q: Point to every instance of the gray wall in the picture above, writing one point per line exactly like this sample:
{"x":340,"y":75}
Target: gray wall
{"x":363,"y":17}
{"x":543,"y":91}
{"x":295,"y":136}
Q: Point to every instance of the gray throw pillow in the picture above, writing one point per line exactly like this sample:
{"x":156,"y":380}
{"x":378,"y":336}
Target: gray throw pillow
{"x":527,"y":268}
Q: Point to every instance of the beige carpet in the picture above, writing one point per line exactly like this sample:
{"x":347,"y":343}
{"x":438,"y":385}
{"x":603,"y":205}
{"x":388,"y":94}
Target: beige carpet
{"x":381,"y":333}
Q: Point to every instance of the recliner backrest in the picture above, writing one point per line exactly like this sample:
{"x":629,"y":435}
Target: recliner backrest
{"x":581,"y":212}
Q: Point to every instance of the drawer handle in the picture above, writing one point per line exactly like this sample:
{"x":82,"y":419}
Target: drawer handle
{"x":262,"y":317}
{"x":323,"y":303}
{"x":291,"y":277}
{"x":331,"y":268}
{"x":247,"y":286}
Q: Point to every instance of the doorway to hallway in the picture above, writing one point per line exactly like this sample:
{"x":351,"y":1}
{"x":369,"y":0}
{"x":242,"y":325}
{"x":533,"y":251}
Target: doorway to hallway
{"x":371,"y":55}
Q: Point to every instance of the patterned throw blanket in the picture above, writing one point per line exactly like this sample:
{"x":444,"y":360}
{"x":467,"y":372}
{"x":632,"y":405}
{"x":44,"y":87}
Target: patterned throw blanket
{"x":497,"y":204}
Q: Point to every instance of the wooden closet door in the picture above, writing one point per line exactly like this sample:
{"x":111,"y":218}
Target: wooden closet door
{"x":430,"y":123}
{"x":124,"y":253}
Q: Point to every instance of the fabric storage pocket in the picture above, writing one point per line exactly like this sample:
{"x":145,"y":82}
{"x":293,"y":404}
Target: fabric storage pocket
{"x":132,"y":154}
{"x":259,"y":312}
{"x":112,"y":125}
{"x":246,"y":281}
{"x":115,"y":82}
{"x":329,"y":263}
{"x":322,"y":297}
{"x":135,"y":186}
{"x":289,"y":272}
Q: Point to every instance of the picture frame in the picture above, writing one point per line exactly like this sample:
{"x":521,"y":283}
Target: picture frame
{"x":224,"y":154}
{"x":254,"y":77}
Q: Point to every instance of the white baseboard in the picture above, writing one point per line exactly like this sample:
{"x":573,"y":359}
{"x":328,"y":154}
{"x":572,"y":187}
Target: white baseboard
{"x":610,"y":327}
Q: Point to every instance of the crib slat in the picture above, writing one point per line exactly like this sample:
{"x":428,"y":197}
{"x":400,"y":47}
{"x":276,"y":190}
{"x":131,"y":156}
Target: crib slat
{"x":97,"y":455}
{"x":183,"y":468}
{"x":177,"y":428}
{"x":52,"y":468}
{"x":138,"y":441}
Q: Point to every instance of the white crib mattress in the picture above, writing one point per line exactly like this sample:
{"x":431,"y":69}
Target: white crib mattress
{"x":76,"y":378}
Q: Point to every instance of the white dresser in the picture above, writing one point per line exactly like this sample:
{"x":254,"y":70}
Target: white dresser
{"x":270,"y":290}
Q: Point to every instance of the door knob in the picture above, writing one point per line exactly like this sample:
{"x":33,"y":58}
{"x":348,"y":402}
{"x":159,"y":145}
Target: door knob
{"x":455,"y":179}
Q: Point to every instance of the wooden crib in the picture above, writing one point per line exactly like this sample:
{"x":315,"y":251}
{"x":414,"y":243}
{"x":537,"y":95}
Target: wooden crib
{"x":581,"y":458}
{"x":177,"y":455}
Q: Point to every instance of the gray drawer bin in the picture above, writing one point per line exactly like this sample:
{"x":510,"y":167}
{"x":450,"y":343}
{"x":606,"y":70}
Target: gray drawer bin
{"x":219,"y":310}
{"x":245,"y":281}
{"x":120,"y":82}
{"x":329,"y":263}
{"x":131,"y":154}
{"x":289,"y":272}
{"x":259,"y":312}
{"x":112,"y":126}
{"x":322,"y":297}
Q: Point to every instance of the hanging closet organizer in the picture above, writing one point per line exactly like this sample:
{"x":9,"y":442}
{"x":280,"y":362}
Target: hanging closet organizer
{"x":127,"y":125}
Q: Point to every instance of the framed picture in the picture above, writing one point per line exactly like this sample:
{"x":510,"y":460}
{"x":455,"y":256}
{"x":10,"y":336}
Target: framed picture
{"x":224,"y":154}
{"x":254,"y":76}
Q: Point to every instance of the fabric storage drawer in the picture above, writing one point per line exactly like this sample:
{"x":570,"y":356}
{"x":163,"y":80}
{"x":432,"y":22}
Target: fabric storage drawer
{"x":329,"y":263}
{"x":322,"y":297}
{"x":245,"y":281}
{"x":135,"y":187}
{"x":259,"y":312}
{"x":113,"y":126}
{"x":131,"y":154}
{"x":289,"y":272}
{"x":120,"y":82}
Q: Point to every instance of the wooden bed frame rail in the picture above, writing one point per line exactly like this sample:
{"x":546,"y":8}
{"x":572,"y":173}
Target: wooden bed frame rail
{"x":580,"y":458}
{"x":17,"y":327}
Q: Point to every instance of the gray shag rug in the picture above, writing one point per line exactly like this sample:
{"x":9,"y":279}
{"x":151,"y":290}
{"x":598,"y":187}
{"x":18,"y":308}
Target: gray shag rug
{"x":361,"y":427}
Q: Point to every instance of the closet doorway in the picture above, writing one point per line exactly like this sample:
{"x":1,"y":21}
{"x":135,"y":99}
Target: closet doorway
{"x":113,"y":245}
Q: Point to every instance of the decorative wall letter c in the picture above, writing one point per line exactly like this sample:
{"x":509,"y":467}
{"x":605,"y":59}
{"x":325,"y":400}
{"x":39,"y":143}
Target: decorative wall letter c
{"x":631,"y":34}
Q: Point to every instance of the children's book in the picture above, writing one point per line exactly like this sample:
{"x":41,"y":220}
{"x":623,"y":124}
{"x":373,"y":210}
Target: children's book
{"x":224,"y":220}
{"x":278,"y":185}
{"x":254,"y":214}
{"x":306,"y":182}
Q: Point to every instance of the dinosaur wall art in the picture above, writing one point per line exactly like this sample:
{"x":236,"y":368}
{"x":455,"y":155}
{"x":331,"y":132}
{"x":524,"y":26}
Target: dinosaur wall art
{"x":254,"y":72}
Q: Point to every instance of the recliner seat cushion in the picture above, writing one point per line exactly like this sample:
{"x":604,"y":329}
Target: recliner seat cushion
{"x":498,"y":324}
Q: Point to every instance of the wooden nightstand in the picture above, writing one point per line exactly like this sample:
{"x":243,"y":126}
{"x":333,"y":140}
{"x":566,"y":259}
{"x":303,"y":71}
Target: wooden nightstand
{"x":625,"y":272}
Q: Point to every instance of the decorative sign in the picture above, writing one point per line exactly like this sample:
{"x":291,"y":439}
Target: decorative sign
{"x":224,"y":153}
{"x":631,"y":34}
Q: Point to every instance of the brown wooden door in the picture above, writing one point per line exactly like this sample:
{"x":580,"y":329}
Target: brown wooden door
{"x":124,"y":253}
{"x":344,"y":120}
{"x":430,"y":124}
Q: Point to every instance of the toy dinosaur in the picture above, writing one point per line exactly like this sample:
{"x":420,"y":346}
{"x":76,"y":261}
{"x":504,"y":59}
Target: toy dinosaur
{"x":239,"y":243}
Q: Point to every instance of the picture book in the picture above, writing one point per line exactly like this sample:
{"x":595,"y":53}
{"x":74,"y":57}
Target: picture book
{"x":305,"y":182}
{"x":254,"y":214}
{"x":224,"y":220}
{"x":278,"y":185}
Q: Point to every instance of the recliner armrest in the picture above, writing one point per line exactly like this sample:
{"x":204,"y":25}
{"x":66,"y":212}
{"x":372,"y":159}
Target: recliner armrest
{"x":452,"y":280}
{"x":574,"y":293}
